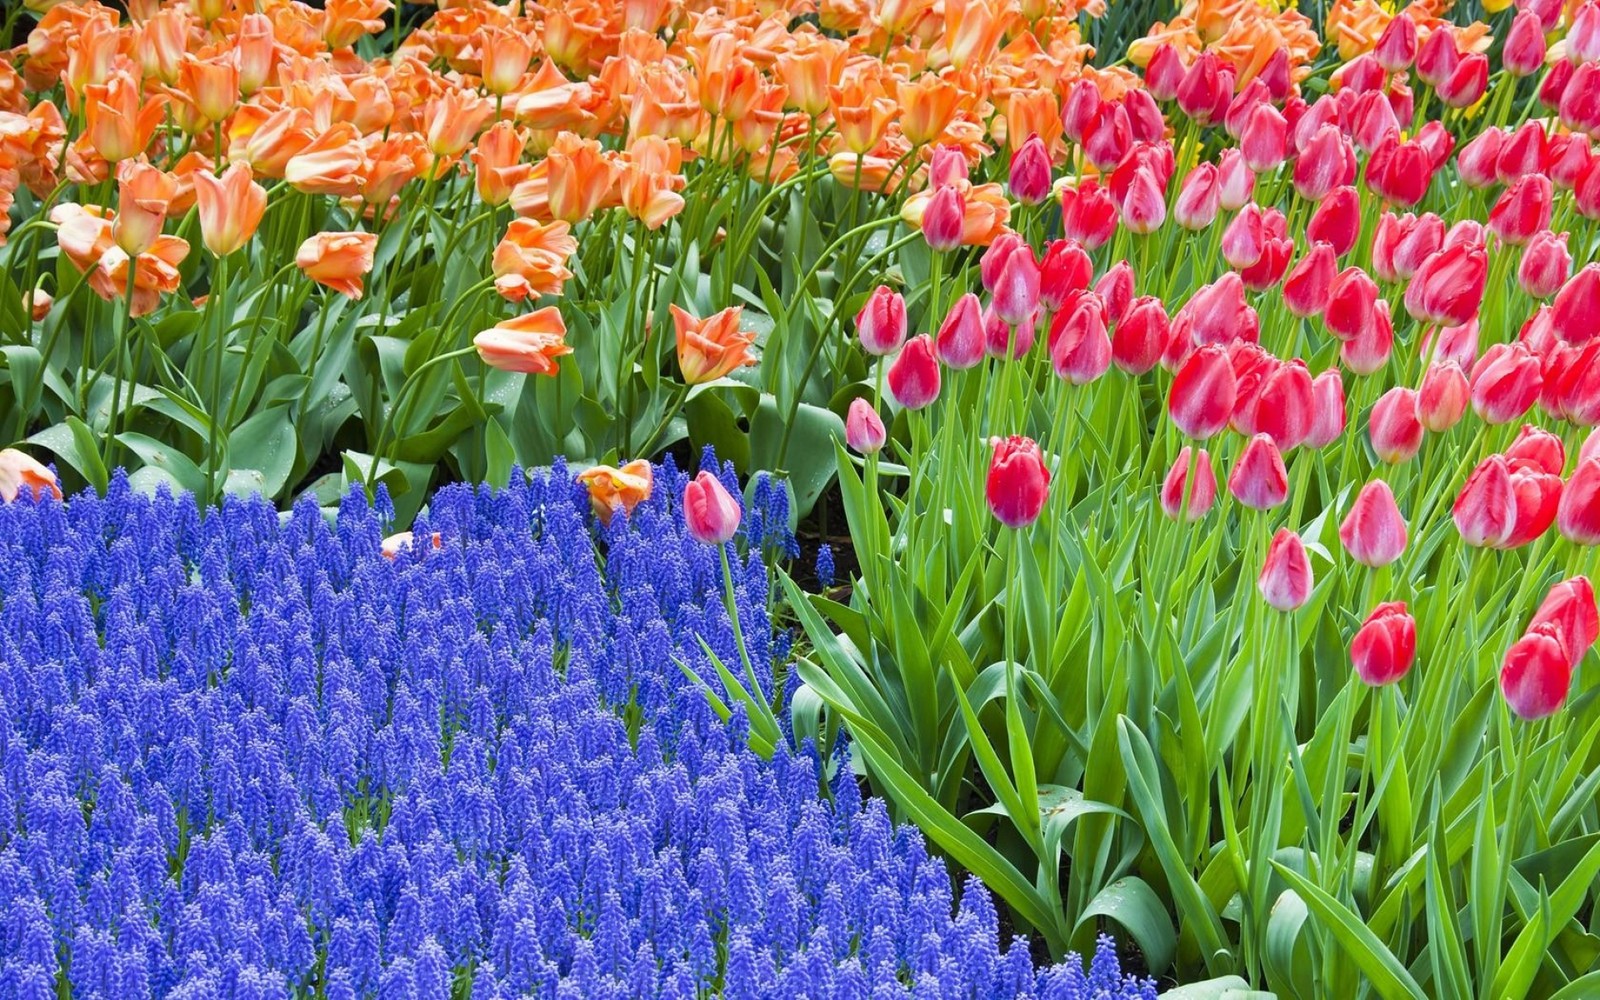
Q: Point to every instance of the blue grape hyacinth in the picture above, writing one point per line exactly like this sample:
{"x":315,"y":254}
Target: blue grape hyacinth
{"x":245,"y":756}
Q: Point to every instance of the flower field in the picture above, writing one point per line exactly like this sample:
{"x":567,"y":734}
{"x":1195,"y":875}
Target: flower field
{"x":1145,"y":500}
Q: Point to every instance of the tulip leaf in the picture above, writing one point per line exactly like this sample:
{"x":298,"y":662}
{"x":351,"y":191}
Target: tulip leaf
{"x":1377,"y":962}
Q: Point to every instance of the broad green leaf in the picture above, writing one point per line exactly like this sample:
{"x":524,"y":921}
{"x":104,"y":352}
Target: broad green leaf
{"x":1377,"y":962}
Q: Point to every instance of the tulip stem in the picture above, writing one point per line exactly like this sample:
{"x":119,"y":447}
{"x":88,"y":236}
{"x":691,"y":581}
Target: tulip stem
{"x":738,"y":630}
{"x":401,"y":399}
{"x":217,"y":304}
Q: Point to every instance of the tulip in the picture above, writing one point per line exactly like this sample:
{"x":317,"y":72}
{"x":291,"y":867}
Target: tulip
{"x":1018,"y":483}
{"x":1447,"y":288}
{"x":1538,"y":495}
{"x":1337,"y":221}
{"x":944,"y":219}
{"x":1418,"y":241}
{"x":1571,"y":376}
{"x":1580,"y":100}
{"x":1265,"y":138}
{"x":1201,"y":496}
{"x":338,"y":260}
{"x":881,"y":323}
{"x":1308,"y":286}
{"x":1088,"y":214}
{"x":1002,"y":340}
{"x":1352,"y":302}
{"x":1327,"y":409}
{"x":1436,"y":140}
{"x":1203,"y":393}
{"x":1505,"y":382}
{"x":1385,"y":646}
{"x":1029,"y":181}
{"x":21,"y":472}
{"x":230,"y":208}
{"x":1320,"y":166}
{"x":1268,"y":269}
{"x":1442,"y":400}
{"x":1485,"y":512}
{"x":1467,"y":83}
{"x":1583,"y":34}
{"x":1478,"y":161}
{"x":1259,"y":479}
{"x":1578,"y":513}
{"x":1080,"y":350}
{"x":712,"y":347}
{"x":1015,"y":293}
{"x":1285,"y":582}
{"x":1523,"y":210}
{"x":960,"y":343}
{"x":1107,"y":136}
{"x":1577,"y":304}
{"x":1242,"y":240}
{"x":1454,"y":343}
{"x":1396,"y":48}
{"x":1535,"y":676}
{"x":1400,"y":172}
{"x":1569,"y":613}
{"x":145,"y":193}
{"x":1370,"y":350}
{"x":1145,"y":207}
{"x":1141,"y":335}
{"x":1199,"y":198}
{"x":709,"y":512}
{"x":863,"y":428}
{"x":1538,"y":446}
{"x":1163,"y":75}
{"x":1361,"y":75}
{"x":530,"y":343}
{"x":914,"y":373}
{"x":612,"y":490}
{"x":1545,"y":264}
{"x":1393,"y":426}
{"x":1144,"y":116}
{"x":1285,"y":405}
{"x":1066,"y":269}
{"x":1568,"y":159}
{"x":1242,"y":104}
{"x":1252,"y":364}
{"x":1235,"y":180}
{"x":1219,"y":314}
{"x":1202,"y":88}
{"x":1080,"y":108}
{"x":1374,"y":532}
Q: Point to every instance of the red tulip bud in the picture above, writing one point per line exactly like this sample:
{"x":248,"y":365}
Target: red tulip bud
{"x":1018,"y":482}
{"x":1522,"y":153}
{"x":1505,"y":382}
{"x":863,"y":428}
{"x":1235,"y":180}
{"x":1030,"y":172}
{"x":1066,"y":269}
{"x":1421,"y":239}
{"x":960,"y":344}
{"x":1523,"y":54}
{"x":1554,"y":85}
{"x":881,"y":323}
{"x":1393,"y":425}
{"x":1466,"y":83}
{"x":1545,"y":264}
{"x":1015,"y":294}
{"x":1144,"y":115}
{"x":1328,"y":411}
{"x":1286,"y":580}
{"x":1486,"y":510}
{"x":1259,"y":479}
{"x":1265,"y":138}
{"x":1203,"y":393}
{"x":1373,"y":532}
{"x":1201,"y":88}
{"x":944,"y":219}
{"x":914,"y":373}
{"x":1080,"y":108}
{"x":1570,"y":613}
{"x":1080,"y":350}
{"x":1370,"y":350}
{"x":1308,"y":286}
{"x":1002,"y":340}
{"x":1478,"y":161}
{"x":709,"y":512}
{"x":1438,"y":57}
{"x":1088,"y":214}
{"x":1352,"y":303}
{"x":1199,"y":198}
{"x":1573,"y":314}
{"x":1448,"y":288}
{"x":1140,"y":337}
{"x":1386,"y":644}
{"x":1164,"y":74}
{"x":1321,"y":165}
{"x":1523,"y":210}
{"x":1539,"y":446}
{"x":1583,"y":36}
{"x":1578,"y":515}
{"x":1442,"y":400}
{"x":1145,"y":207}
{"x":1535,"y":676}
{"x":1337,"y":221}
{"x":1202,"y":495}
{"x":1538,"y":495}
{"x":1397,"y":46}
{"x":1242,"y":240}
{"x":1115,"y":289}
{"x":1567,"y":158}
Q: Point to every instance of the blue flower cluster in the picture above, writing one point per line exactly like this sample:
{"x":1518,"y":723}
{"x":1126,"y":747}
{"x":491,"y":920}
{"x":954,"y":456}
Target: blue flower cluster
{"x":243,"y":757}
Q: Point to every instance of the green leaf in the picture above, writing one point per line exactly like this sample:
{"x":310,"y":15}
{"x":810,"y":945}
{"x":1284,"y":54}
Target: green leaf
{"x":267,"y":444}
{"x":1382,"y":969}
{"x":1527,"y":953}
{"x":172,"y":462}
{"x":1221,"y":988}
{"x":75,"y":444}
{"x":1135,"y":906}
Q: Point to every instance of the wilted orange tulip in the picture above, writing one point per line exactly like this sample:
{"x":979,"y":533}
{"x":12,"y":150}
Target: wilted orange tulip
{"x":497,"y":163}
{"x":712,"y":347}
{"x":38,"y":303}
{"x":332,"y":164}
{"x":338,"y":260}
{"x":154,"y":273}
{"x":505,"y":55}
{"x":230,"y":206}
{"x":531,"y":259}
{"x":611,"y":490}
{"x":581,"y":177}
{"x":866,"y":173}
{"x":19,"y":470}
{"x":529,"y":343}
{"x":118,"y":121}
{"x":144,"y":193}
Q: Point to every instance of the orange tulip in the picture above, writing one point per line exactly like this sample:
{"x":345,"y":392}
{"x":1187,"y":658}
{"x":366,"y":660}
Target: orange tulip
{"x":119,"y":122}
{"x":209,"y":85}
{"x":927,"y":106}
{"x":712,"y":347}
{"x":154,"y":273}
{"x":866,"y":173}
{"x":230,"y":208}
{"x":189,"y":164}
{"x":38,"y":303}
{"x":454,"y":121}
{"x":531,"y":259}
{"x":529,"y":343}
{"x":612,"y":490}
{"x":863,"y":113}
{"x":91,"y":56}
{"x":256,"y":50}
{"x":497,"y":163}
{"x":811,"y":71}
{"x":338,"y":260}
{"x":346,"y":21}
{"x":651,"y":179}
{"x":505,"y":57}
{"x":664,"y":104}
{"x":83,"y":232}
{"x":729,"y":83}
{"x":144,"y":193}
{"x":551,"y":101}
{"x":19,"y":470}
{"x":581,"y":177}
{"x":1033,"y":112}
{"x":161,"y":43}
{"x":269,"y":141}
{"x":389,"y":164}
{"x":331,"y":164}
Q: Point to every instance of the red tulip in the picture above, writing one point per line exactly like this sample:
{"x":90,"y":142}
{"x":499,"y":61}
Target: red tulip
{"x":1540,"y":447}
{"x":1080,"y":350}
{"x":1538,"y":495}
{"x":1583,"y":34}
{"x":1201,"y":89}
{"x":1115,"y":289}
{"x":1259,"y":479}
{"x":1505,"y":382}
{"x":1235,"y":180}
{"x":1438,"y":57}
{"x":1018,"y":482}
{"x":1524,"y":49}
{"x":1478,"y":161}
{"x":1567,"y":158}
{"x":1286,"y":582}
{"x":1015,"y":294}
{"x":1436,"y":140}
{"x":1144,"y":116}
{"x":1590,"y":447}
{"x":1265,"y":138}
{"x":1352,"y":301}
{"x":1535,"y":676}
{"x":1107,"y":136}
{"x":1545,"y":265}
{"x":1397,"y":46}
{"x":1572,"y":383}
{"x":1370,"y":350}
{"x":1384,"y":241}
{"x":1586,"y":189}
{"x":1268,"y":269}
{"x":1373,"y":532}
{"x":1442,"y":400}
{"x":1309,"y":284}
{"x":960,"y":344}
{"x":1578,"y":515}
{"x":1321,"y":165}
{"x":1164,"y":74}
{"x":1400,"y":172}
{"x":1467,"y":83}
{"x":1485,"y":512}
{"x":1419,"y":240}
{"x":1203,"y":393}
{"x":1088,"y":214}
{"x":1573,"y":314}
{"x":1337,"y":221}
{"x":1327,"y":409}
{"x":1569,"y":612}
{"x":1285,"y":405}
{"x":1066,"y":269}
{"x":1080,"y":108}
{"x":1523,"y":210}
{"x":1393,"y":426}
{"x":914,"y":373}
{"x":1218,"y":314}
{"x":1448,"y":287}
{"x":1145,"y":207}
{"x":1554,"y":85}
{"x":881,"y":323}
{"x":1251,"y":363}
{"x":863,"y":428}
{"x":944,"y":220}
{"x":1385,"y":646}
{"x":1361,"y":75}
{"x":1324,"y":112}
{"x":947,"y":166}
{"x":709,"y":512}
{"x":1242,"y":240}
{"x":1455,"y":343}
{"x":1202,"y":495}
{"x":996,"y":255}
{"x":1139,"y":338}
{"x":1249,"y":97}
{"x":1029,"y":181}
{"x":1580,"y":100}
{"x":1002,"y":340}
{"x":1199,"y":198}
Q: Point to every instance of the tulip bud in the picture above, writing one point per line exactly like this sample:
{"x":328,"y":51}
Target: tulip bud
{"x":1202,"y":495}
{"x":1535,"y":676}
{"x":1337,"y":221}
{"x":1352,"y":302}
{"x":709,"y":512}
{"x":944,"y":219}
{"x":1479,"y":159}
{"x":1545,"y":264}
{"x":1285,"y":404}
{"x":1442,"y":400}
{"x":1236,"y":182}
{"x":1080,"y":350}
{"x":947,"y":167}
{"x":1265,"y":138}
{"x":1505,"y":382}
{"x":1397,"y":46}
{"x":1145,"y":207}
{"x":1144,"y":116}
{"x":1376,"y":130}
{"x":881,"y":323}
{"x":1030,"y":172}
{"x":1394,"y":428}
{"x":1577,"y":304}
{"x":1523,"y":210}
{"x":1203,"y":393}
{"x":1538,"y":446}
{"x":1583,"y":34}
{"x":1242,"y":240}
{"x":960,"y":344}
{"x":1374,"y":532}
{"x":1327,"y":409}
{"x":1137,"y":344}
{"x":1286,"y":581}
{"x":1569,"y":614}
{"x":914,"y":373}
{"x":1080,"y":109}
{"x":1259,"y":479}
{"x":1578,"y":514}
{"x":1308,"y":286}
{"x":1467,"y":83}
{"x":1538,"y":495}
{"x":1015,"y":294}
{"x":863,"y":428}
{"x":1198,"y":199}
{"x":1370,"y":350}
{"x":1201,"y":88}
{"x":1018,"y":482}
{"x":1107,"y":136}
{"x":1066,"y":269}
{"x":1088,"y":214}
{"x":1522,"y":153}
{"x":1420,"y":240}
{"x":1164,"y":73}
{"x":1485,"y":512}
{"x":1385,"y":646}
{"x":1321,"y":165}
{"x":1448,"y":287}
{"x":1568,"y":158}
{"x":1002,"y":340}
{"x":1218,"y":313}
{"x":1115,"y":289}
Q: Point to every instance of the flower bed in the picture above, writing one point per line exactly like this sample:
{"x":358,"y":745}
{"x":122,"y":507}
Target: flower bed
{"x":247,"y":757}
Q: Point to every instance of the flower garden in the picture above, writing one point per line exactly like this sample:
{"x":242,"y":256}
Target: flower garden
{"x":1049,"y":499}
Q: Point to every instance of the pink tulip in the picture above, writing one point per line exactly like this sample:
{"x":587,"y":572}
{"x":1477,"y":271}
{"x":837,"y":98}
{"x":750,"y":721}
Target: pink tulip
{"x":1374,"y":532}
{"x":1286,"y":581}
{"x":709,"y":512}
